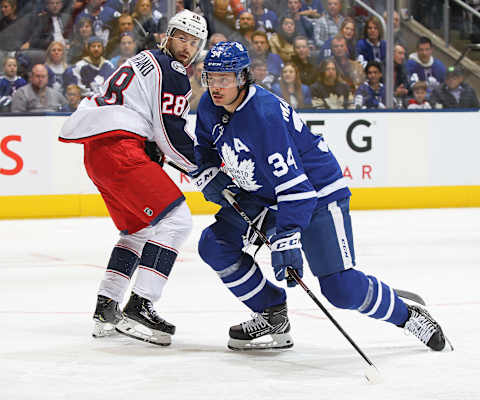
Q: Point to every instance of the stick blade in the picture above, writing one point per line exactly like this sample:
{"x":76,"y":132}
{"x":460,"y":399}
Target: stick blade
{"x":405,"y":294}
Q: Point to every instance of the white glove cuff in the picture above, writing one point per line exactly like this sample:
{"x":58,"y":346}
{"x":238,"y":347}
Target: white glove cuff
{"x":287,"y":243}
{"x":205,"y":177}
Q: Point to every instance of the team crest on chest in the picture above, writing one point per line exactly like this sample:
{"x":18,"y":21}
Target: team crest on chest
{"x":177,"y":66}
{"x":242,"y":172}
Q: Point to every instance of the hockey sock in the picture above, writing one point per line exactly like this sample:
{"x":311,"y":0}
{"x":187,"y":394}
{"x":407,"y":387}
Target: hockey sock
{"x":121,"y":266}
{"x":153,"y":270}
{"x":246,"y":281}
{"x":352,"y":289}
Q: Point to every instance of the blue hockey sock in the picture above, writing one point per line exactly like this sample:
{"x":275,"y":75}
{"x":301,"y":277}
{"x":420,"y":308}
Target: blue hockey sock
{"x":123,"y":261}
{"x":158,"y":258}
{"x":246,"y":281}
{"x":220,"y":246}
{"x":352,"y":289}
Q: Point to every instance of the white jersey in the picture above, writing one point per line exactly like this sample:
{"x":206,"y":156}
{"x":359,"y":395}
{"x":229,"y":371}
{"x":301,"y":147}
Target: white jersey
{"x":146,"y":96}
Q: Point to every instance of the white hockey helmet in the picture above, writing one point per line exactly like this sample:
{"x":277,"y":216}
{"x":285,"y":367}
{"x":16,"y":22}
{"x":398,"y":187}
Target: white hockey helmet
{"x":192,"y":23}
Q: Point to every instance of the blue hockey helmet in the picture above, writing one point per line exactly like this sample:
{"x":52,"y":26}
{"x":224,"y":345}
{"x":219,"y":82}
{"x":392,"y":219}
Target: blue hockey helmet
{"x":226,"y":57}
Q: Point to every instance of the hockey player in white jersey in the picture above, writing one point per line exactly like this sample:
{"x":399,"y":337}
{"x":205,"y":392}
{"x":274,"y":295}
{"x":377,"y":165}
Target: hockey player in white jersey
{"x":144,"y":100}
{"x":292,"y":181}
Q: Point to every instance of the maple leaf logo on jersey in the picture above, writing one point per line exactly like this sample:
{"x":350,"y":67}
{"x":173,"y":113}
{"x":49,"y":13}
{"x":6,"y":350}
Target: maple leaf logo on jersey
{"x":243,"y":172}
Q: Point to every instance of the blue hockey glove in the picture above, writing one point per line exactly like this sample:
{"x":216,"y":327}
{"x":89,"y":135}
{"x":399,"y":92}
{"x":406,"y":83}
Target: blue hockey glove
{"x":286,"y":252}
{"x":211,"y":181}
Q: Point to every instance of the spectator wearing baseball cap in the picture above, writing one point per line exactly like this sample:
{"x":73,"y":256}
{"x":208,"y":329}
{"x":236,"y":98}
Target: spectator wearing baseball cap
{"x":454,"y":92}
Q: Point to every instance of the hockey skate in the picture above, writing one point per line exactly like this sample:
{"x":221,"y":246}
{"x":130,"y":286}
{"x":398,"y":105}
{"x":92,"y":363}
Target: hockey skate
{"x":421,"y":324}
{"x":141,"y":321}
{"x":272,"y":323}
{"x":107,"y":314}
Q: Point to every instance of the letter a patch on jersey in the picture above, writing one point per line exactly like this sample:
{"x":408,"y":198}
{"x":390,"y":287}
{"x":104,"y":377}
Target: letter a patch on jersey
{"x":239,"y":146}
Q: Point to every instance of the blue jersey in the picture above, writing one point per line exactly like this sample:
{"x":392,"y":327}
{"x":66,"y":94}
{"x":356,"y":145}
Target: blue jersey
{"x":367,"y":97}
{"x":9,"y":86}
{"x":433,"y":72}
{"x":369,"y":52}
{"x":269,"y":152}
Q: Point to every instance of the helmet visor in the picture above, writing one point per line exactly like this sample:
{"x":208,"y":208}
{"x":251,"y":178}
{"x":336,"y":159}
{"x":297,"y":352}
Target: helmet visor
{"x":219,"y":79}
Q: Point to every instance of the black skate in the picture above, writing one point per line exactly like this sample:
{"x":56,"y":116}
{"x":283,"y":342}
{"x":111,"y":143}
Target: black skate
{"x":272,"y":322}
{"x":421,"y":324}
{"x":107,"y":314}
{"x":142,"y":322}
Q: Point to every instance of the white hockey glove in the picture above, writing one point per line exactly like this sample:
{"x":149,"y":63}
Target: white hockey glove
{"x":286,"y":252}
{"x":211,"y":181}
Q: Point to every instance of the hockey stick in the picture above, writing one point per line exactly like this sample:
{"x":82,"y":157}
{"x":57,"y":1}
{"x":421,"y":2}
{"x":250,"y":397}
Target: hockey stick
{"x":175,"y":166}
{"x":405,"y":294}
{"x":293,"y":274}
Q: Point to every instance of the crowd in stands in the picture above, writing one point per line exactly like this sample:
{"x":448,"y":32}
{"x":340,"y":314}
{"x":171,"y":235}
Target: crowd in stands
{"x":324,"y":54}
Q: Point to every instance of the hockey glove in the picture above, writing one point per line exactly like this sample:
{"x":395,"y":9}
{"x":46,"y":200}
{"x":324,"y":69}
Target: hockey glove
{"x":154,"y":153}
{"x":286,"y":252}
{"x":212,"y":182}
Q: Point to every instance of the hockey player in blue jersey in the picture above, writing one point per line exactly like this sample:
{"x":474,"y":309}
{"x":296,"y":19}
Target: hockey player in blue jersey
{"x":289,"y":182}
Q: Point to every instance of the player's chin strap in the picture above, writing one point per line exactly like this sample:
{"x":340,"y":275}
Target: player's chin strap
{"x":240,"y":90}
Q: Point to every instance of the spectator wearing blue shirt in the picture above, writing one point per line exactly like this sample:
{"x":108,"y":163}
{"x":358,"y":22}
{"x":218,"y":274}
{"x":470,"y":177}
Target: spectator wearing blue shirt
{"x":127,"y":48}
{"x":9,"y":83}
{"x":122,"y":6}
{"x":90,"y":72}
{"x":260,"y":49}
{"x":56,"y":63}
{"x":371,"y":94}
{"x":348,"y":31}
{"x":422,"y":66}
{"x":73,"y":94}
{"x":291,"y":89}
{"x":303,"y":25}
{"x":103,"y":18}
{"x":372,"y":47}
{"x":312,"y":8}
{"x":266,"y":19}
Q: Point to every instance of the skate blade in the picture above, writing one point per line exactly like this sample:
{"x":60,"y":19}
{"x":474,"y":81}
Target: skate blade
{"x":450,"y":346}
{"x":103,"y":329}
{"x":133,"y":329}
{"x":277,"y":342}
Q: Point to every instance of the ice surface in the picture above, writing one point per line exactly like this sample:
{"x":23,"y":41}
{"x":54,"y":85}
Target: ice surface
{"x":50,"y":271}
